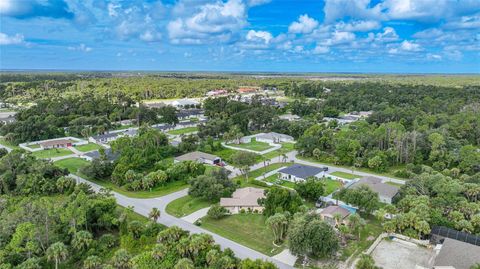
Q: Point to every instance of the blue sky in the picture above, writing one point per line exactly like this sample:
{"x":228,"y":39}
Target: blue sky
{"x":414,"y":36}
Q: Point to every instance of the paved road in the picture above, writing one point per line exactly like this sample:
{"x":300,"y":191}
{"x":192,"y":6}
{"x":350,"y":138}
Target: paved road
{"x":144,"y":206}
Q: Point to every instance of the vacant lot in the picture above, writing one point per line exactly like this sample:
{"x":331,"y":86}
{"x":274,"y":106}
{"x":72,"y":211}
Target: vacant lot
{"x":52,"y":153}
{"x":88,"y":147}
{"x":344,"y":175}
{"x":331,"y":185}
{"x":183,"y":131}
{"x":186,"y":205}
{"x":398,"y":254}
{"x":72,"y":164}
{"x":246,"y":229}
{"x":253,"y":145}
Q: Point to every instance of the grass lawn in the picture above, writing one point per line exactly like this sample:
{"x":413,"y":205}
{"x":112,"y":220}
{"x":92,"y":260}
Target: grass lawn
{"x":226,"y":155}
{"x":287,"y":184}
{"x":253,"y":145}
{"x":72,"y":164}
{"x":209,"y":168}
{"x":186,"y":205}
{"x":246,"y":229}
{"x":331,"y":185}
{"x":34,"y":146}
{"x":51,"y":153}
{"x":183,"y":131}
{"x":8,"y":144}
{"x":286,"y":147}
{"x":256,"y":173}
{"x":88,"y":147}
{"x":344,"y":175}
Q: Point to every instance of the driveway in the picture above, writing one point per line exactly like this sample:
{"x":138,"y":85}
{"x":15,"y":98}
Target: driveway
{"x":144,"y":206}
{"x":196,"y":215}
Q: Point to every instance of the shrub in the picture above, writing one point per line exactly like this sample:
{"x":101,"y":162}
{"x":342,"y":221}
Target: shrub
{"x":258,"y":183}
{"x":216,"y":212}
{"x":242,"y":211}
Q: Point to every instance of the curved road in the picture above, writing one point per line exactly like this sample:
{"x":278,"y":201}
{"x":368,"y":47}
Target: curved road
{"x":144,"y":206}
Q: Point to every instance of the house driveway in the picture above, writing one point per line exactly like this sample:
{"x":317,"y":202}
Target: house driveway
{"x":196,"y":215}
{"x":286,"y":257}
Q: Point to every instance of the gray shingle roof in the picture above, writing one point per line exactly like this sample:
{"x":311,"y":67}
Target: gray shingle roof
{"x":108,"y":153}
{"x":377,"y":186}
{"x":458,"y":254}
{"x":196,"y":155}
{"x":301,"y":171}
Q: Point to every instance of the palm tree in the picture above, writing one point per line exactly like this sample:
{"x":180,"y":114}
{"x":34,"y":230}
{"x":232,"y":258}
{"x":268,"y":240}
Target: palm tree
{"x":82,"y":240}
{"x":121,"y":259}
{"x":184,"y":264}
{"x":380,"y":214}
{"x":57,"y":252}
{"x":154,"y":214}
{"x":159,"y":251}
{"x":92,"y":262}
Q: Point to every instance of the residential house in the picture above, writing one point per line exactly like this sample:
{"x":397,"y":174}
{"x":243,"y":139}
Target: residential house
{"x":455,"y":254}
{"x":386,"y":192}
{"x":190,"y":113}
{"x":7,"y":117}
{"x":289,"y":117}
{"x":56,"y":143}
{"x":216,"y":92}
{"x":244,"y":198}
{"x":274,"y":138}
{"x":329,"y":215}
{"x":185,"y":103}
{"x":105,"y":138}
{"x":92,"y":155}
{"x":200,"y":157}
{"x":300,"y":172}
{"x":248,"y":89}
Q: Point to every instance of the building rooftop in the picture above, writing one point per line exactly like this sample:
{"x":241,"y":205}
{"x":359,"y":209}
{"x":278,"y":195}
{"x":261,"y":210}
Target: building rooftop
{"x":56,"y":142}
{"x":377,"y":186}
{"x":273,"y":135}
{"x":335,"y":209}
{"x":457,"y":254}
{"x":301,"y":171}
{"x":195,"y":155}
{"x":244,"y":197}
{"x":111,"y":156}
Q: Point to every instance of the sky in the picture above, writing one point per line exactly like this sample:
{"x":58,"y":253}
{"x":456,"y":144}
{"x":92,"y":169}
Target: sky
{"x":384,"y":36}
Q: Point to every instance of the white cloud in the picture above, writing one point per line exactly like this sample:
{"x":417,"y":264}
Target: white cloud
{"x":339,"y":37}
{"x":465,"y":22}
{"x":11,"y":40}
{"x":388,"y":35}
{"x":358,"y":9}
{"x":434,"y":57}
{"x":304,"y":25}
{"x":428,"y":33}
{"x":149,"y":36}
{"x":217,"y":22}
{"x":321,"y":49}
{"x":410,"y":46}
{"x":82,"y":47}
{"x":358,"y":26}
{"x":259,"y":36}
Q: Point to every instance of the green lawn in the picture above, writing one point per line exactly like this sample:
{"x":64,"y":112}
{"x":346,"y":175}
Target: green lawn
{"x":209,"y":168}
{"x":287,"y":184}
{"x":51,"y":153}
{"x":183,"y":131}
{"x":156,"y":192}
{"x":286,"y":147}
{"x":246,"y":229}
{"x":256,"y":173}
{"x":72,"y":164}
{"x":88,"y":147}
{"x":344,"y":175}
{"x":34,"y":146}
{"x":8,"y":144}
{"x":186,"y":205}
{"x":367,"y":236}
{"x":226,"y":155}
{"x":253,"y":145}
{"x":331,"y":185}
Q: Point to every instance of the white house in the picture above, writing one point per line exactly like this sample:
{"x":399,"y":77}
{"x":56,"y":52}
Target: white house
{"x":200,"y":157}
{"x":274,"y":138}
{"x":185,"y":103}
{"x":244,"y":198}
{"x":300,"y":172}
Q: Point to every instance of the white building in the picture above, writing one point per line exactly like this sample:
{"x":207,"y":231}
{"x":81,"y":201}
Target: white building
{"x":185,"y":103}
{"x":244,"y":198}
{"x":300,"y":172}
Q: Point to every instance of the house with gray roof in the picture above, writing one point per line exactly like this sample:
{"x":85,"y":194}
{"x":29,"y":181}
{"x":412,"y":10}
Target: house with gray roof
{"x":200,"y":157}
{"x":244,"y":198}
{"x":386,"y":192}
{"x":456,"y":254}
{"x":92,"y":155}
{"x":300,"y":172}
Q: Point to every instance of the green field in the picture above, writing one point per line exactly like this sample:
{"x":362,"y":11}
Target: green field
{"x":186,"y":205}
{"x":72,"y":164}
{"x":286,"y":147}
{"x":246,"y":229}
{"x":183,"y":131}
{"x":226,"y":155}
{"x":344,"y":175}
{"x":52,"y":153}
{"x":331,"y":185}
{"x":88,"y":147}
{"x":252,"y":145}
